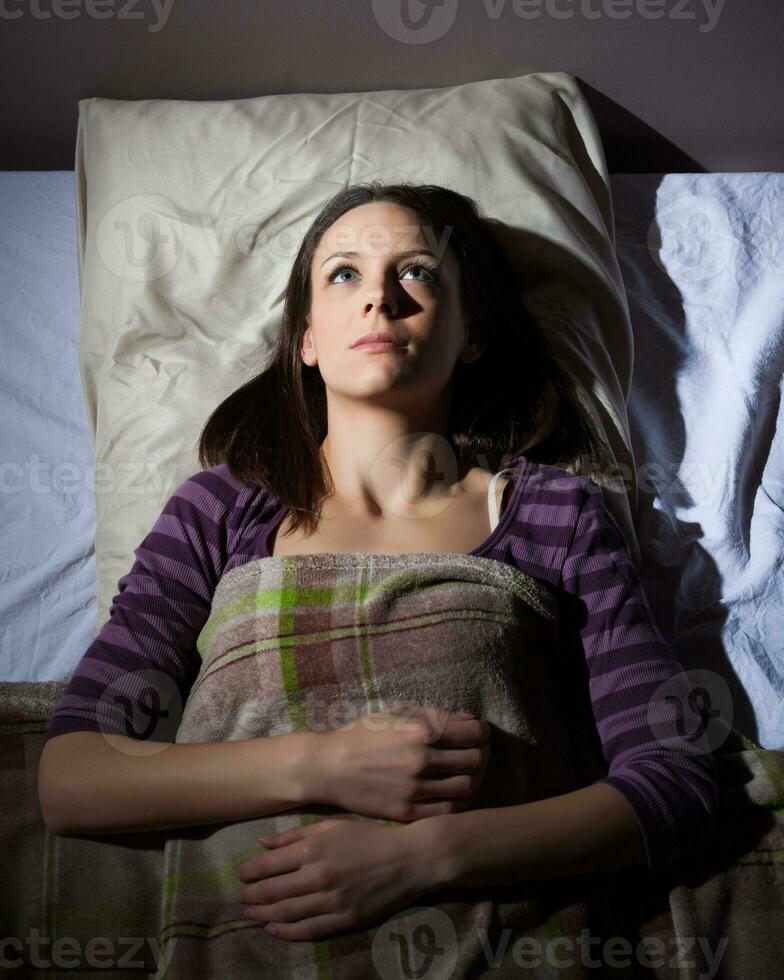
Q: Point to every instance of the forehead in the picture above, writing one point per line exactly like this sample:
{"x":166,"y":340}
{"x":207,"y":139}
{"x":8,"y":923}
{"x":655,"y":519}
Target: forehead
{"x":382,"y":230}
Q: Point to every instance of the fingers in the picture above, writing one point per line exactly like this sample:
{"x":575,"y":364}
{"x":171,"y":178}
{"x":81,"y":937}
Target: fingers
{"x":459,"y":733}
{"x":451,"y":729}
{"x":448,"y":762}
{"x":450,"y":788}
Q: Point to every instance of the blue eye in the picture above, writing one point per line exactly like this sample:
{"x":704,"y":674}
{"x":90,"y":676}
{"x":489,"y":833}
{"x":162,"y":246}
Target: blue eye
{"x":432,"y":273}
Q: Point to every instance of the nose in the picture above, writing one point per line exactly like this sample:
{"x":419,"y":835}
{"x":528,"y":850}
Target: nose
{"x":379,"y":294}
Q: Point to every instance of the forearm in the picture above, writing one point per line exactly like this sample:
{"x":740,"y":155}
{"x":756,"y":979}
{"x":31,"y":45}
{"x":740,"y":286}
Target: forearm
{"x":591,"y":830}
{"x":94,"y":783}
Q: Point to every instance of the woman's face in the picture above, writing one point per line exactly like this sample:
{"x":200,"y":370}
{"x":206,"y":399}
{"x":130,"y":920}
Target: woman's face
{"x":402,"y":281}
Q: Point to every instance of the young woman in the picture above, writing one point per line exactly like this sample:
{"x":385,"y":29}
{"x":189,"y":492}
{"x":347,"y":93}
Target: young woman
{"x":406,"y":385}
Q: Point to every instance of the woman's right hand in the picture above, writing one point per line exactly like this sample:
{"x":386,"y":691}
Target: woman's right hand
{"x":404,"y":763}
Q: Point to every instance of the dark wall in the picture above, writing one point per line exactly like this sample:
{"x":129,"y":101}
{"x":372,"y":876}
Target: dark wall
{"x":676,"y":85}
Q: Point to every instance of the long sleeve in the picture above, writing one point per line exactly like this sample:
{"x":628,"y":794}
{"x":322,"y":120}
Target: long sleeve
{"x":669,"y":779}
{"x":135,"y":676}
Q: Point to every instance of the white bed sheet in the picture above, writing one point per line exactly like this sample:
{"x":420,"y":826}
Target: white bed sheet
{"x":47,"y":566}
{"x":702,"y":257}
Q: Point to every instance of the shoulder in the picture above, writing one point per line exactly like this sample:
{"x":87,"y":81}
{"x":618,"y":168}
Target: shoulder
{"x":566,"y":499}
{"x":220,"y":483}
{"x":551,"y":480}
{"x":552,"y":498}
{"x":598,"y":557}
{"x":560,"y":520}
{"x":217,"y":480}
{"x":545,"y":505}
{"x":218,"y":500}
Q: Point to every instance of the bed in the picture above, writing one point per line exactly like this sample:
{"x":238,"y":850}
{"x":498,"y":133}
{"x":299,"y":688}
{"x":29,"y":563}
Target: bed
{"x":702,"y":257}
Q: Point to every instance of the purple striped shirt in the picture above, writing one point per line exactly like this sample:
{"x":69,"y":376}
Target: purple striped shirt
{"x":556,"y":527}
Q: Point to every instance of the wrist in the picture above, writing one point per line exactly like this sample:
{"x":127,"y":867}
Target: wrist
{"x":313,"y":772}
{"x":429,"y":853}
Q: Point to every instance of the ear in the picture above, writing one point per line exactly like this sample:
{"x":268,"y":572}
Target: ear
{"x":307,"y":350}
{"x":473,"y":346}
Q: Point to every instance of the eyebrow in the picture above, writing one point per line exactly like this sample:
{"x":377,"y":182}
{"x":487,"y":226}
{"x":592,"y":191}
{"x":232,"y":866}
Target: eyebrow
{"x":400,"y":255}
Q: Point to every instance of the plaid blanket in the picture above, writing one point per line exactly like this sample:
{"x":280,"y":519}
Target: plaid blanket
{"x":314,"y":642}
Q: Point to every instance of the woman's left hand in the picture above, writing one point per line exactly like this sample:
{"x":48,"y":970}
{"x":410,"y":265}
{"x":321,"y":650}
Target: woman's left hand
{"x":331,"y":876}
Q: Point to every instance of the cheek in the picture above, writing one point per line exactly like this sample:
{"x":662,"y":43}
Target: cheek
{"x":329,"y":316}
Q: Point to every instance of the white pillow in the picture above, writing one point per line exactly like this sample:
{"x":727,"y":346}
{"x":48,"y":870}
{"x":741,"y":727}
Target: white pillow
{"x":190,"y":215}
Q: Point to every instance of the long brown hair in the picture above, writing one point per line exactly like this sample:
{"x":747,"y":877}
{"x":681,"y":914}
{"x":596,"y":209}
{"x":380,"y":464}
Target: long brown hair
{"x":514,"y":399}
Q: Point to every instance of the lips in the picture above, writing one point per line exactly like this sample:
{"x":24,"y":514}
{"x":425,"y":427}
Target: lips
{"x":378,"y":337}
